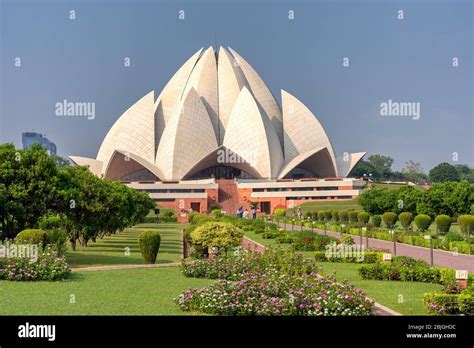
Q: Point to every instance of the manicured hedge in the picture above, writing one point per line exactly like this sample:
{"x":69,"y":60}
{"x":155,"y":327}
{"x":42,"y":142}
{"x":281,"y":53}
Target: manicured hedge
{"x":368,"y":257}
{"x":149,"y":242}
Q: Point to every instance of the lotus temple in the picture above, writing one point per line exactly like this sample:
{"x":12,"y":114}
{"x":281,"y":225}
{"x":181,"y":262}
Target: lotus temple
{"x":216,"y":135}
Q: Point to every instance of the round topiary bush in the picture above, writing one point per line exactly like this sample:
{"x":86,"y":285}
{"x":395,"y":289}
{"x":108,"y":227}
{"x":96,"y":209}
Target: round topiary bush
{"x":423,"y":222}
{"x":363,"y":217}
{"x":149,"y":242}
{"x":405,"y":218}
{"x":466,"y":223}
{"x":335,"y":215}
{"x":217,"y":234}
{"x":352,"y":216}
{"x":32,"y":236}
{"x":389,"y":219}
{"x":343,"y":215}
{"x":376,"y":220}
{"x":280,"y":212}
{"x":443,"y":222}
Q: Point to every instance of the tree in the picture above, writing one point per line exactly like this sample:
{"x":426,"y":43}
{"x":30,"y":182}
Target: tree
{"x":465,"y":172}
{"x":27,"y":183}
{"x":449,"y":198}
{"x":407,"y":199}
{"x":444,"y":172}
{"x":361,"y":168}
{"x":382,"y":165}
{"x":378,"y":200}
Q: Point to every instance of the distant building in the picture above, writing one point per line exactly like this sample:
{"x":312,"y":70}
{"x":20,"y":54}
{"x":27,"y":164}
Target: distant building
{"x":28,"y":138}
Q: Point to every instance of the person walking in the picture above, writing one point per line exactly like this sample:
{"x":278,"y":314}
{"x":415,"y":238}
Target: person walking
{"x":254,"y":213}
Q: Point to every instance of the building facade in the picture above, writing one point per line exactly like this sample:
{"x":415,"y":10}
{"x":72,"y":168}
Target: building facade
{"x":28,"y":138}
{"x":217,"y":134}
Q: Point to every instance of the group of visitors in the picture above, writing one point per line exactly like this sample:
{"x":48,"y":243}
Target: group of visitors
{"x":246,"y":214}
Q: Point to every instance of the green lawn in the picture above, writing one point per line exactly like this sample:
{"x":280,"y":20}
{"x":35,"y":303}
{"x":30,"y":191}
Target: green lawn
{"x":117,"y":292}
{"x":403,"y":297}
{"x":111,"y":250}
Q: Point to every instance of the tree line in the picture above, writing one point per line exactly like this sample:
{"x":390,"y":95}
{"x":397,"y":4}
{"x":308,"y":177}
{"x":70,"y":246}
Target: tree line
{"x":35,"y":188}
{"x":449,"y":198}
{"x":379,"y":167}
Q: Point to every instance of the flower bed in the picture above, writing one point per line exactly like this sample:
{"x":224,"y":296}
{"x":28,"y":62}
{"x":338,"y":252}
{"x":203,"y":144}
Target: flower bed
{"x":231,"y":266}
{"x":449,"y":304}
{"x":48,"y":266}
{"x":276,"y":293}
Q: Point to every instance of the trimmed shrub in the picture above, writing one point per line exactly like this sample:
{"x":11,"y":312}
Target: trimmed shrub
{"x":217,"y":213}
{"x":443,"y":222}
{"x":466,"y":223}
{"x":280,"y":212}
{"x":405,"y":218}
{"x":389,"y":219}
{"x":218,"y":234}
{"x":308,"y":215}
{"x":32,"y":236}
{"x":327,"y":215}
{"x":363,"y":217}
{"x":423,"y":222}
{"x":352,"y":216}
{"x":149,"y":242}
{"x":321,"y":215}
{"x":376,"y":220}
{"x":335,"y":215}
{"x":366,"y":257}
{"x":196,"y":218}
{"x":343,"y":215}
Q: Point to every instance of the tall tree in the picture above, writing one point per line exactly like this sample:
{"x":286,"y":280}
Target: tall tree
{"x":444,"y":172}
{"x":382,"y":165}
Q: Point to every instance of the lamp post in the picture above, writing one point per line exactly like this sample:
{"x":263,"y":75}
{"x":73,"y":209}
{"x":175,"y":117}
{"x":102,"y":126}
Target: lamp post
{"x":394,"y":240}
{"x":431,"y":248}
{"x":312,"y":226}
{"x":325,"y":227}
{"x":293,"y":225}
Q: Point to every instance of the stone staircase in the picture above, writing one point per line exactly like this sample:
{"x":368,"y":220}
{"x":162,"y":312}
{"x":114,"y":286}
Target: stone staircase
{"x":228,"y":196}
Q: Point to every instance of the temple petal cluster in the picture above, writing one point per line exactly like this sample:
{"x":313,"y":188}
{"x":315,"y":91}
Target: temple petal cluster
{"x":216,"y":102}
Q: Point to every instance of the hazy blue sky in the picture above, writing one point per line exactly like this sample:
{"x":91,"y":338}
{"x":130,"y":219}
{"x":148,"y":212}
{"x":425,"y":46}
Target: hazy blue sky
{"x":407,"y":60}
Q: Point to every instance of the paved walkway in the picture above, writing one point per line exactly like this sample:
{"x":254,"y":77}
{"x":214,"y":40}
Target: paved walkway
{"x":108,"y":268}
{"x":440,"y":257}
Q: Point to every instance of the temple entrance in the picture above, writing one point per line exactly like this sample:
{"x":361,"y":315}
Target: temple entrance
{"x":196,"y":206}
{"x":265,"y":207}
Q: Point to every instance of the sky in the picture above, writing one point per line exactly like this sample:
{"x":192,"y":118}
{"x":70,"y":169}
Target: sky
{"x":409,"y":60}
